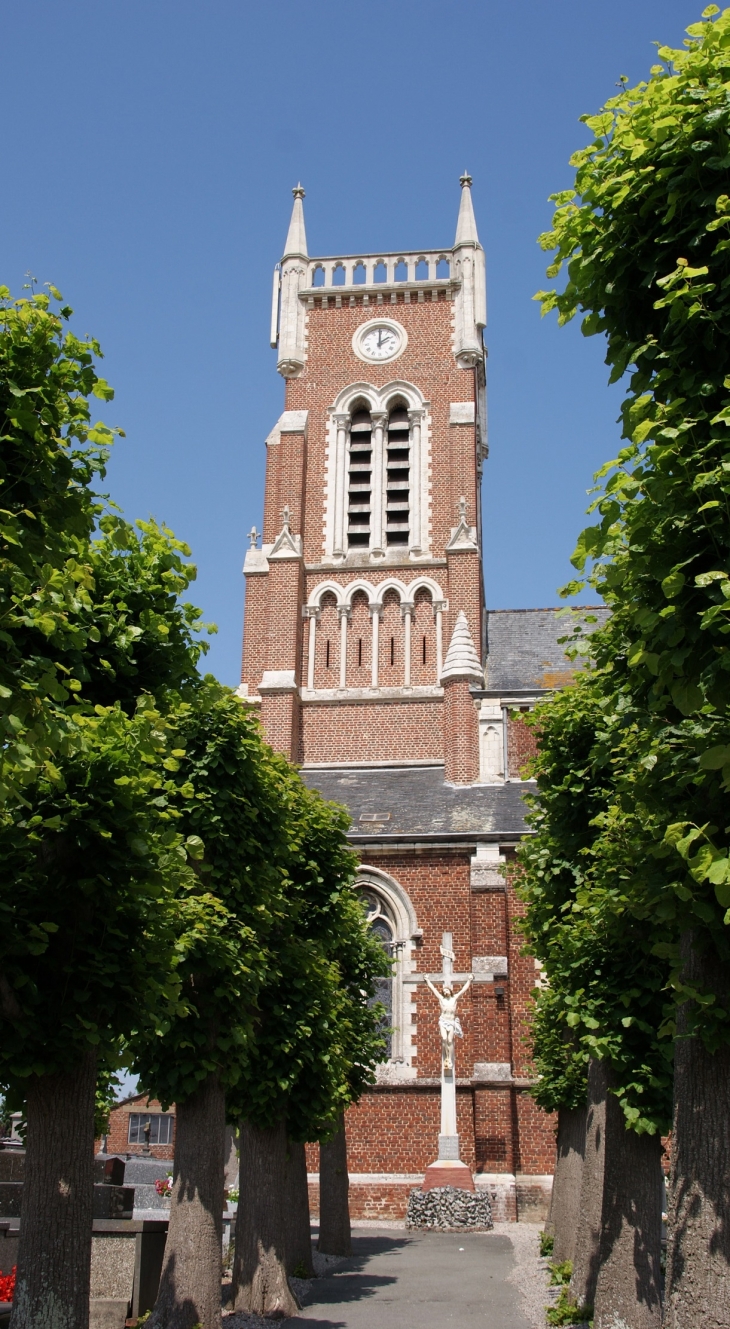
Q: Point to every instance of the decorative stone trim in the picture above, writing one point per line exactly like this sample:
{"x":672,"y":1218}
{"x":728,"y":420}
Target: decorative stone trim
{"x":493,"y":1071}
{"x":462,"y":413}
{"x":278,"y":680}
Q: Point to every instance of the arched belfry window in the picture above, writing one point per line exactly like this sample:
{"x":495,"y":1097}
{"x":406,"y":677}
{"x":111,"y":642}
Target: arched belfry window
{"x":397,"y":528}
{"x":376,"y":487}
{"x":359,"y":489}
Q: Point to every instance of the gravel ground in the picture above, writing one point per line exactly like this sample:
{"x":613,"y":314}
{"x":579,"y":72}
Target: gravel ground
{"x":530,"y":1274}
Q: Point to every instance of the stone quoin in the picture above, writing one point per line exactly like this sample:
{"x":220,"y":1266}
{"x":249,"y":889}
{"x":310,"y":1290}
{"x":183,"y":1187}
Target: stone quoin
{"x":378,"y":669}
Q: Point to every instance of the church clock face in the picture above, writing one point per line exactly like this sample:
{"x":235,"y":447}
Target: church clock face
{"x":379,"y":340}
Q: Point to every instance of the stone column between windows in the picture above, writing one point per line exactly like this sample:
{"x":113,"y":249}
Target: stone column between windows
{"x":344,"y":613}
{"x":342,"y":424}
{"x":415,"y":418}
{"x":312,"y":613}
{"x":375,"y":613}
{"x":379,"y":421}
{"x":406,"y":610}
{"x":438,"y":613}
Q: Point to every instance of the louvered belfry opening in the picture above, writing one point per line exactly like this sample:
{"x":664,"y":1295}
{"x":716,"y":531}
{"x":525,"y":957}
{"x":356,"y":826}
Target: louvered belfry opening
{"x":398,"y":478}
{"x":359,"y":480}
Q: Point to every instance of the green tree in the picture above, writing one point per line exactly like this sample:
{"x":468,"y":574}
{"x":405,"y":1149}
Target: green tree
{"x":604,"y":1006}
{"x":97,"y":642}
{"x":89,"y":908}
{"x":317,"y":1038}
{"x":229,"y":791}
{"x":644,"y":239}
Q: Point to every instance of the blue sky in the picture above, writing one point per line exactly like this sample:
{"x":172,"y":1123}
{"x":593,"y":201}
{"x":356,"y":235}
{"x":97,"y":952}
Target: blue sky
{"x":149,"y":151}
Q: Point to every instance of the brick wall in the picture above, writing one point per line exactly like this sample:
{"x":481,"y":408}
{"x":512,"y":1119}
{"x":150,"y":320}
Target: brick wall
{"x":372,"y":731}
{"x":521,"y":745}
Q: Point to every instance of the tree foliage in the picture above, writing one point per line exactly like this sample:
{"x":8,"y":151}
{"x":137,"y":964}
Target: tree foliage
{"x":49,"y":455}
{"x":276,"y":994}
{"x":644,"y":240}
{"x":604,"y":995}
{"x":318,"y":1037}
{"x":89,"y":901}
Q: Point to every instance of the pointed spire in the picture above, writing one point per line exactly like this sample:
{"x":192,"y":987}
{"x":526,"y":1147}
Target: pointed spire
{"x":462,"y":660}
{"x":466,"y":227}
{"x":296,"y":240}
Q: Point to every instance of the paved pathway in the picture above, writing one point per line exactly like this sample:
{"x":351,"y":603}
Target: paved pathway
{"x":405,"y":1280}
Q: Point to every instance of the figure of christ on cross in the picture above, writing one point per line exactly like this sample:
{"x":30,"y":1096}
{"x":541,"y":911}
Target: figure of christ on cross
{"x":449,"y":1023}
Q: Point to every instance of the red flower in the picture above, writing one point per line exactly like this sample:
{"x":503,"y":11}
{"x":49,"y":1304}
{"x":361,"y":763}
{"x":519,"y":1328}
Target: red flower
{"x":7,"y":1285}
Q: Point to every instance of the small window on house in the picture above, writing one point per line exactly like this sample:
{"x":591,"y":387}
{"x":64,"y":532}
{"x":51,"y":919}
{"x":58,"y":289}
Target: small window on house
{"x":401,"y":270}
{"x":380,"y":272}
{"x":360,"y":470}
{"x":327,"y":655}
{"x":338,"y":276}
{"x":398,"y":478}
{"x":423,"y":660}
{"x":443,"y":268}
{"x":358,"y":275}
{"x":160,"y":1127}
{"x":422,"y":270}
{"x":318,"y":279}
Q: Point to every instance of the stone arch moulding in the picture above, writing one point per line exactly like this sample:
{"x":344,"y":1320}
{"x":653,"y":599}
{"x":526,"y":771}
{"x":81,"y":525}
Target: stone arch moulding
{"x":378,"y":401}
{"x":407,"y":934}
{"x":375,"y":592}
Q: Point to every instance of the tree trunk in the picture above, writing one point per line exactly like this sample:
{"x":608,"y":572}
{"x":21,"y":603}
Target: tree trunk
{"x":585,"y":1265}
{"x":190,"y":1286}
{"x":628,"y":1290}
{"x":260,"y":1285}
{"x":334,"y":1184}
{"x":54,"y":1259}
{"x":698,"y":1248}
{"x":565,"y":1201}
{"x":298,"y":1233}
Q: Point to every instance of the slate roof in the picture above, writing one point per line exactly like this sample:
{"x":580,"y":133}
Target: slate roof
{"x":522,"y":646}
{"x":412,"y":802}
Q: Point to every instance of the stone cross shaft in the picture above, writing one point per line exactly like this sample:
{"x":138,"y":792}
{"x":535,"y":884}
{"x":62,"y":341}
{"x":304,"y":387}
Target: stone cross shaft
{"x":449,"y":1030}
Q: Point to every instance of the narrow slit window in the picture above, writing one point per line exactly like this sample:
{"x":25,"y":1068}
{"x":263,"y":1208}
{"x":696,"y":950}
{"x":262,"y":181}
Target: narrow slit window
{"x":359,"y":650}
{"x":359,"y":478}
{"x":327,"y":656}
{"x":398,"y":478}
{"x":424,"y":651}
{"x":392,"y":650}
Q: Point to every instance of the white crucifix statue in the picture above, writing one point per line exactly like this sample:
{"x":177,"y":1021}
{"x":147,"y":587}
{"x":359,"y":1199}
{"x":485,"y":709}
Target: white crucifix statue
{"x":449,"y":1029}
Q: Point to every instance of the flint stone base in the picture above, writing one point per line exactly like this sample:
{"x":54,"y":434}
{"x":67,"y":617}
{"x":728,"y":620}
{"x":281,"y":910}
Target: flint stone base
{"x":445,"y":1207}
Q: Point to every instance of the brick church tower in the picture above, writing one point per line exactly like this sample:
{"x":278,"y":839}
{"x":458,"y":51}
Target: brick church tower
{"x":378,"y":670}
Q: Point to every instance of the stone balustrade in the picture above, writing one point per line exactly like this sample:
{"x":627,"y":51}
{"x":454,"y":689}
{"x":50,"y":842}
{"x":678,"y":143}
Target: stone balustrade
{"x":352,"y":272}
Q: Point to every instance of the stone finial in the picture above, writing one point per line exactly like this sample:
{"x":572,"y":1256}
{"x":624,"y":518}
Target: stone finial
{"x":286,"y":517}
{"x":463,"y":536}
{"x":253,"y":537}
{"x":462,"y":660}
{"x":466,"y":227}
{"x":296,"y":240}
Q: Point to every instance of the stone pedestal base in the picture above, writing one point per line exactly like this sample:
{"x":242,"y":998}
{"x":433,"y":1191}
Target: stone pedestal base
{"x":448,"y":1208}
{"x":448,"y":1172}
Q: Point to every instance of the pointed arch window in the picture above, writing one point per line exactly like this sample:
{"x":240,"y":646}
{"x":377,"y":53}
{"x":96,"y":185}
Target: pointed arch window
{"x":382,"y":928}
